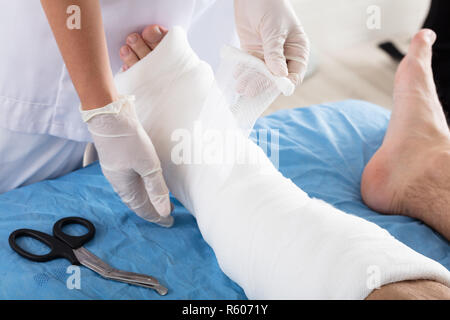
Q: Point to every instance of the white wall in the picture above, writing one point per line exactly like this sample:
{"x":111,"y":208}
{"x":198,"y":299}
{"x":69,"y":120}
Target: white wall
{"x":338,"y":23}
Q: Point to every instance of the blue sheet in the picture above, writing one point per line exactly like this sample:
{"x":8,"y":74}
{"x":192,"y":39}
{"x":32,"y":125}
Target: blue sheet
{"x":323,"y":149}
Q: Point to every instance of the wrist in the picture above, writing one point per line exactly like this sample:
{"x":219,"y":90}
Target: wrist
{"x":96,"y":100}
{"x":112,"y":108}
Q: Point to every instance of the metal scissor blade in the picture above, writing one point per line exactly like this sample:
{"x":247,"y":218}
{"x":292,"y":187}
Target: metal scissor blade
{"x":91,"y":261}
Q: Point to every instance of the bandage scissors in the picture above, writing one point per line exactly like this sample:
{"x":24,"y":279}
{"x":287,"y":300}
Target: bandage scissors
{"x":63,"y":245}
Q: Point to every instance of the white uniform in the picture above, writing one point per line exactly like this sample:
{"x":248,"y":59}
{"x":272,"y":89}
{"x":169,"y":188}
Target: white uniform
{"x":36,"y":92}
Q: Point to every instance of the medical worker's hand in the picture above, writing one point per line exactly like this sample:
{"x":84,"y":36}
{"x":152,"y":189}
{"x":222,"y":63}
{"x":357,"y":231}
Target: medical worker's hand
{"x":270,"y":30}
{"x":129,"y":160}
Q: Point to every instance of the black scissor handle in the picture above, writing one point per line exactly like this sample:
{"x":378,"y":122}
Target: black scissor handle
{"x":58,"y":249}
{"x":74,"y":242}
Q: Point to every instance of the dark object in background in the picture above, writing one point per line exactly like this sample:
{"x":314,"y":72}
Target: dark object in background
{"x":391,"y":49}
{"x":438,"y":20}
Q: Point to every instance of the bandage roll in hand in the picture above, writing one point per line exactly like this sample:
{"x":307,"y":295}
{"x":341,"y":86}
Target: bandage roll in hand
{"x":268,"y":235}
{"x":129,"y":161}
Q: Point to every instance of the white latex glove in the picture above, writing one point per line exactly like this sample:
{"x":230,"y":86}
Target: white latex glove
{"x":270,"y":30}
{"x":129,"y":161}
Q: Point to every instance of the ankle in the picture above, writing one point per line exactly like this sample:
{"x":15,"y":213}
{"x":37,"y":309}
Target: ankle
{"x":436,"y":171}
{"x":427,"y":198}
{"x":406,"y":187}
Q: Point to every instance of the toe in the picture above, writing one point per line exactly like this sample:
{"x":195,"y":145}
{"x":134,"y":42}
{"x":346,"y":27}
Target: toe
{"x":422,"y":43}
{"x":153,"y":35}
{"x":128,"y":57}
{"x":137,"y":44}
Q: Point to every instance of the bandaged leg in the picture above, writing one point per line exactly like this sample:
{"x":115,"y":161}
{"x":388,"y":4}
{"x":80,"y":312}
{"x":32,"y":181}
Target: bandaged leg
{"x":267,"y":234}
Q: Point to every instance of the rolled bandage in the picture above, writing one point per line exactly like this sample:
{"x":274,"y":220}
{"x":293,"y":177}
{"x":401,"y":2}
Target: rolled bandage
{"x":268,"y":235}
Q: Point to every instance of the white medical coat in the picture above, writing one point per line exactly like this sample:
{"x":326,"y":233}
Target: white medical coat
{"x":36,"y":92}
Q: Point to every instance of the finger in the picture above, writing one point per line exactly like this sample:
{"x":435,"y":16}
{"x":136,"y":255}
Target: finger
{"x":158,"y":192}
{"x":131,"y":189}
{"x":296,"y":50}
{"x":274,"y":55}
{"x":137,"y":44}
{"x":296,"y":72}
{"x":167,"y":221}
{"x":151,"y":174}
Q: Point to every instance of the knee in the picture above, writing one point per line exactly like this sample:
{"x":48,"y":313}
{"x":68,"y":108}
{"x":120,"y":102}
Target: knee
{"x":412,"y":290}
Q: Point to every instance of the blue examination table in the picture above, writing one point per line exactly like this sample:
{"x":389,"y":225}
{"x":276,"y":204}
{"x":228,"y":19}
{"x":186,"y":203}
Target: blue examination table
{"x":323,"y":149}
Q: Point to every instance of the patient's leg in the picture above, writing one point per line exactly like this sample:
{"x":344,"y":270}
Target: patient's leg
{"x":410,"y":174}
{"x":267,"y":234}
{"x":412,"y":290}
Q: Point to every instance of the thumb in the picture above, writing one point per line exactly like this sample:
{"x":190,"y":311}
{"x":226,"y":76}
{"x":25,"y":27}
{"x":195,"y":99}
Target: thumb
{"x":158,"y":192}
{"x":274,"y":55}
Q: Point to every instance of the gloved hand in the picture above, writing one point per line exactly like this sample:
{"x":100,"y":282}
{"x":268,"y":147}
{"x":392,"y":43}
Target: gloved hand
{"x":270,"y":30}
{"x":129,"y":161}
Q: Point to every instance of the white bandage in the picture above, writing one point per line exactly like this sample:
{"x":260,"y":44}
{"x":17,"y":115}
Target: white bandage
{"x":267,"y":234}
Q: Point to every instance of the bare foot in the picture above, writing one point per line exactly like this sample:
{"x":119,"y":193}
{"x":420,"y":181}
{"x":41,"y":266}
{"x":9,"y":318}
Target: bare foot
{"x":140,"y":45}
{"x":409,"y":174}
